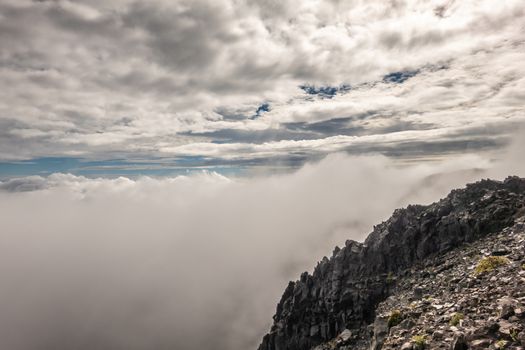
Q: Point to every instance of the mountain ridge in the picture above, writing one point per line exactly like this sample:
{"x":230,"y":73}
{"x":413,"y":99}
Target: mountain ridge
{"x":344,"y":290}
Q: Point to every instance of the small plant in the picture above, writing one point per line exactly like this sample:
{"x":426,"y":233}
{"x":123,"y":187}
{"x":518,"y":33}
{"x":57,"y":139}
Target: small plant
{"x":523,"y":266}
{"x":458,"y":316}
{"x":489,"y":263}
{"x":501,"y":344}
{"x":420,"y":341}
{"x":390,"y":277}
{"x":514,"y":334}
{"x":395,"y":318}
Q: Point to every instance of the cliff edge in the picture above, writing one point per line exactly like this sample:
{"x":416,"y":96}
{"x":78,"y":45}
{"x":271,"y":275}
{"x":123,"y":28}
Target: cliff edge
{"x":350,"y":298}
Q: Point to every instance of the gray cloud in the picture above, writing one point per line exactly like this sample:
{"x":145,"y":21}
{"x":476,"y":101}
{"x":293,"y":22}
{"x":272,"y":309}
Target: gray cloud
{"x":175,"y":69}
{"x":186,"y":36}
{"x":26,"y":184}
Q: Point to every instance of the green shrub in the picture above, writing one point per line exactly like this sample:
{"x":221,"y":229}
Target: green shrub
{"x":458,"y":316}
{"x":395,"y":318}
{"x":420,"y":341}
{"x":489,"y":263}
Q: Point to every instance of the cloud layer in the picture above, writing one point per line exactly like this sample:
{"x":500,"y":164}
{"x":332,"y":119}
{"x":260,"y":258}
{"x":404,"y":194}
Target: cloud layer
{"x":177,"y":79}
{"x":192,"y":262}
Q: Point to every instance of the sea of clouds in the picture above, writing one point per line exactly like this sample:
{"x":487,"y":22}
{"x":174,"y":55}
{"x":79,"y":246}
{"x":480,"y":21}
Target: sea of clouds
{"x":191,"y":262}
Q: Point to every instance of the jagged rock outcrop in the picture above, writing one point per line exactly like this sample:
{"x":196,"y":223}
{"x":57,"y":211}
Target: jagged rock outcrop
{"x":472,"y":297}
{"x":342,"y":294}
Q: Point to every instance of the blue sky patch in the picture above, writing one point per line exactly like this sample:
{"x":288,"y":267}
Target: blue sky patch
{"x":114,"y":167}
{"x":265,"y":107}
{"x":324,"y":91}
{"x":399,"y":77}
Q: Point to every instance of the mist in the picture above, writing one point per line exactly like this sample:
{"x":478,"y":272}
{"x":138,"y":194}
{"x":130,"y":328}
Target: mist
{"x":192,"y":262}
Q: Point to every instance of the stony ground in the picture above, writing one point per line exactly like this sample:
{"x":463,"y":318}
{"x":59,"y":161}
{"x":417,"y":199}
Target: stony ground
{"x":446,"y":304}
{"x":416,"y":282}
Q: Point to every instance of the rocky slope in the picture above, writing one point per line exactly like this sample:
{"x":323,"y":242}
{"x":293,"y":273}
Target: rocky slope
{"x":417,"y":269}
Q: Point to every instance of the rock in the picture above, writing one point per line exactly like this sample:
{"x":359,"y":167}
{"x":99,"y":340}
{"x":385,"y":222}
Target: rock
{"x":407,"y":346}
{"x":506,"y":306}
{"x":480,"y":344}
{"x":505,"y":327}
{"x":380,"y":333}
{"x":345,"y":335}
{"x":422,"y":262}
{"x":438,"y":307}
{"x":459,"y":343}
{"x":314,"y":330}
{"x":490,"y":327}
{"x":407,"y":323}
{"x":418,"y":293}
{"x":521,"y":337}
{"x":438,"y":335}
{"x":321,"y":347}
{"x":500,"y":250}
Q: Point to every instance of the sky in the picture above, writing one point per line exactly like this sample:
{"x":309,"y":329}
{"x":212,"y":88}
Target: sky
{"x":166,"y":167}
{"x":118,"y":87}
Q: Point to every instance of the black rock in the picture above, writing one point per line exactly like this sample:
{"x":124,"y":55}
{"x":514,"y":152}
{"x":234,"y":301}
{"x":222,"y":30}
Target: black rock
{"x":343,"y":291}
{"x":500,"y":251}
{"x":459,"y":343}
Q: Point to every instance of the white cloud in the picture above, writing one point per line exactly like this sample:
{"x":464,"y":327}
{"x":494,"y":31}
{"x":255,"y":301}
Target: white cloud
{"x":168,"y":67}
{"x":190,"y":262}
{"x":326,"y":145}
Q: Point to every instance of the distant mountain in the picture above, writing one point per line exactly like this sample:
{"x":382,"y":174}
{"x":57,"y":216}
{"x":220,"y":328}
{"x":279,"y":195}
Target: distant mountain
{"x":450,"y":275}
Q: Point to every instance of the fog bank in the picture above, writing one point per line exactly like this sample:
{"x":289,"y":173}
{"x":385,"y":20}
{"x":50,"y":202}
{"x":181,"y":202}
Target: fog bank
{"x":186,"y":263}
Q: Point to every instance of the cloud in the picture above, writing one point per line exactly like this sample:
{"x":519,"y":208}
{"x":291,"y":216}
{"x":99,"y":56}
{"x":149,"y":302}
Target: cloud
{"x":172,"y":69}
{"x":179,"y":34}
{"x":189,"y":262}
{"x":199,"y":261}
{"x":363,"y":144}
{"x":30,"y":183}
{"x":512,"y":156}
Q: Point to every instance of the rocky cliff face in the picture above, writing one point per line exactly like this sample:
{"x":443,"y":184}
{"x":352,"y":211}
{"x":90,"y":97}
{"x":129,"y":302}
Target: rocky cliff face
{"x":337,"y":305}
